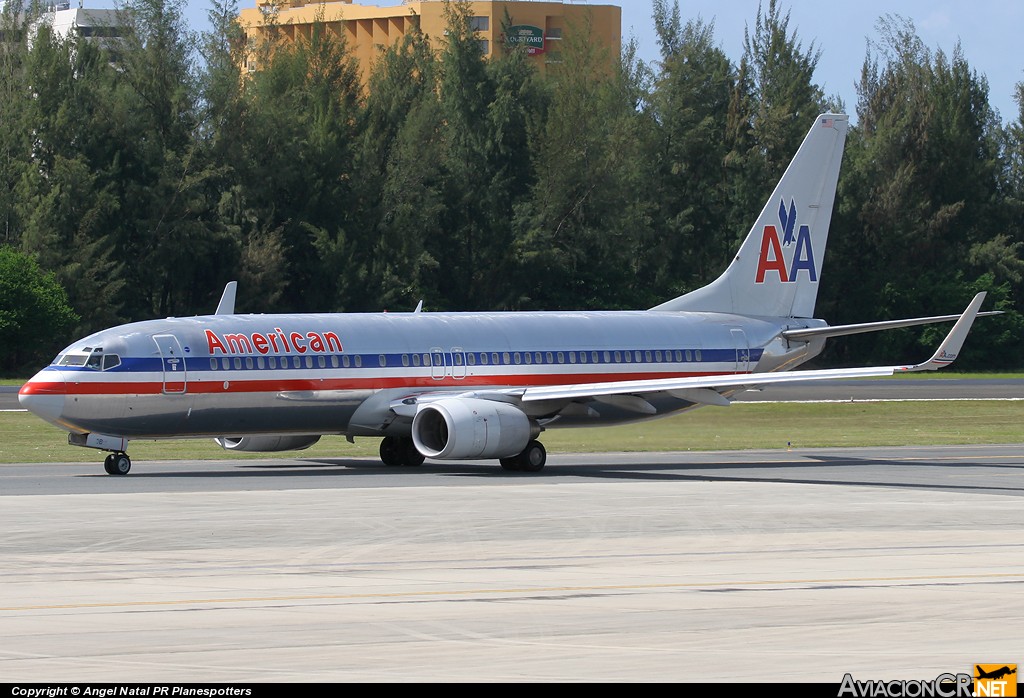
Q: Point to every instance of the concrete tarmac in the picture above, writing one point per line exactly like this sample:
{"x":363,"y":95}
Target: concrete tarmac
{"x":747,"y":566}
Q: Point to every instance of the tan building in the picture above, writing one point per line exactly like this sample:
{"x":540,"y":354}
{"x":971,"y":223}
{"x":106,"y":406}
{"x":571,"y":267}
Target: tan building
{"x":540,"y":25}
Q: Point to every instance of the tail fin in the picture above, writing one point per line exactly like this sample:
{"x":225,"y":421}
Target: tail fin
{"x":776,"y":270}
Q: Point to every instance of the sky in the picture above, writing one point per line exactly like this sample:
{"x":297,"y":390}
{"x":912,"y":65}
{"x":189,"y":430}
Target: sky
{"x":989,"y":32}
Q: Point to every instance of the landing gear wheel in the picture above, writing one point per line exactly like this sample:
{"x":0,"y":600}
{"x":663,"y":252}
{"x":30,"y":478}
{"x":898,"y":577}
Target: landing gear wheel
{"x":530,"y":460}
{"x":511,"y":464}
{"x":117,"y":464}
{"x":533,"y":457}
{"x":390,"y":451}
{"x":410,"y":456}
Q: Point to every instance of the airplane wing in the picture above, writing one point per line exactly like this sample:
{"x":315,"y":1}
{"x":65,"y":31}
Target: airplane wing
{"x":698,"y":388}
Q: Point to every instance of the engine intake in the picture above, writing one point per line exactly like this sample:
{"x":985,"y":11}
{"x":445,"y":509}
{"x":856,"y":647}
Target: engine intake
{"x":463,"y":428}
{"x":267,"y":443}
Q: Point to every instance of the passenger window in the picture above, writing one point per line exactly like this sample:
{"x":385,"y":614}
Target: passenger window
{"x":225,"y":363}
{"x":657,"y":356}
{"x":382,"y":360}
{"x":345,"y":361}
{"x":321,"y":361}
{"x":334,"y":361}
{"x":309,"y":361}
{"x":483,"y":358}
{"x":471,"y":358}
{"x":689,"y":356}
{"x":405,"y":359}
{"x":537,"y":358}
{"x":238,"y":362}
{"x":618,"y":357}
{"x":415,"y":359}
{"x":529,"y":359}
{"x":359,"y":361}
{"x":550,"y":358}
{"x":457,"y":356}
{"x":272,"y":361}
{"x":494,"y":358}
{"x":506,"y":358}
{"x":561,"y":358}
{"x":629,"y":357}
{"x":697,"y":354}
{"x":213,"y":363}
{"x":517,"y":358}
{"x":296,"y":362}
{"x":248,"y":362}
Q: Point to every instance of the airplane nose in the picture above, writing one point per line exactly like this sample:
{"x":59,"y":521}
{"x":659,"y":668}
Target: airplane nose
{"x":44,"y":395}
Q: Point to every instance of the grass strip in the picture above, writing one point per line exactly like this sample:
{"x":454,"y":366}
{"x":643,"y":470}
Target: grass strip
{"x":26,"y":439}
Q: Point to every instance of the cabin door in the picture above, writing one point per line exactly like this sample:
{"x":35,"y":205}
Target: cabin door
{"x":172,"y":360}
{"x":739,"y":340}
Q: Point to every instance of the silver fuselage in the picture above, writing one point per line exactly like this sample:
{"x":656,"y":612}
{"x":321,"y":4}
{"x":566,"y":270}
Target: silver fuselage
{"x":338,"y":373}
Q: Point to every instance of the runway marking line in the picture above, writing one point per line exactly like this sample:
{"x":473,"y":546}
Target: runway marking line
{"x":525,"y":590}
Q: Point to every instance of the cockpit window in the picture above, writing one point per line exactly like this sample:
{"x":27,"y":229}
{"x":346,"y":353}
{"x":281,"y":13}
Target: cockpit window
{"x":90,"y":358}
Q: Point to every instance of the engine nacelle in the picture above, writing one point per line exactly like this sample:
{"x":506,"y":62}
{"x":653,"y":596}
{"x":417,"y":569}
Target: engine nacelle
{"x":458,"y":429}
{"x":267,"y":443}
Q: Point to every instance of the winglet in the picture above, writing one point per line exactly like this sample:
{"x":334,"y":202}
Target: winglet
{"x":227,"y":300}
{"x":954,"y":341}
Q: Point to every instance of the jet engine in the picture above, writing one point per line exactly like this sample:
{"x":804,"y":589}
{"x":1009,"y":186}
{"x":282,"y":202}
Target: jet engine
{"x":462,"y":428}
{"x":267,"y":443}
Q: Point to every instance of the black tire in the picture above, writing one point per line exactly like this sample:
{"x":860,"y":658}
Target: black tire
{"x":510,"y":464}
{"x":390,"y":451}
{"x":533,"y":457}
{"x":122,"y":464}
{"x":410,"y":456}
{"x":108,"y":464}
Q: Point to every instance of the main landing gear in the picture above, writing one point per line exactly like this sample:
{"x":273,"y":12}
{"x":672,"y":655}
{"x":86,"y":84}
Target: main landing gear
{"x":400,"y":450}
{"x":530,"y":460}
{"x":117,"y":463}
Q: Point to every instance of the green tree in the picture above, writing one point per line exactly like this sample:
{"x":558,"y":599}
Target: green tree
{"x":691,"y":104}
{"x":581,"y":234}
{"x":920,"y":224}
{"x":34,"y":312}
{"x":776,"y":99}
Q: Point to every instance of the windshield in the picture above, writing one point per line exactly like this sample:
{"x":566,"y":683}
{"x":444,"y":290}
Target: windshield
{"x":90,"y":358}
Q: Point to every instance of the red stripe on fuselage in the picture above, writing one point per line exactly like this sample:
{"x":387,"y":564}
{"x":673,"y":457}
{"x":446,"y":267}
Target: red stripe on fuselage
{"x":243,"y":385}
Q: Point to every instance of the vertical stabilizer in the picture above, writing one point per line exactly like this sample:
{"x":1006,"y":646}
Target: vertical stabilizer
{"x":777,"y":269}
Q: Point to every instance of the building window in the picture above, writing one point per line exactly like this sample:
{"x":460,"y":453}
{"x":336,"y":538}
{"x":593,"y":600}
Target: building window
{"x":553,"y":33}
{"x":485,"y":46}
{"x":480,"y":24}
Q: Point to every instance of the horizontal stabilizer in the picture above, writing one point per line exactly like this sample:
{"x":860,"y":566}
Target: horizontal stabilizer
{"x":844,"y":330}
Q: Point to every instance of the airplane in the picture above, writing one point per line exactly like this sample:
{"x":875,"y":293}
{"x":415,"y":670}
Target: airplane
{"x":996,"y":674}
{"x":474,"y":385}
